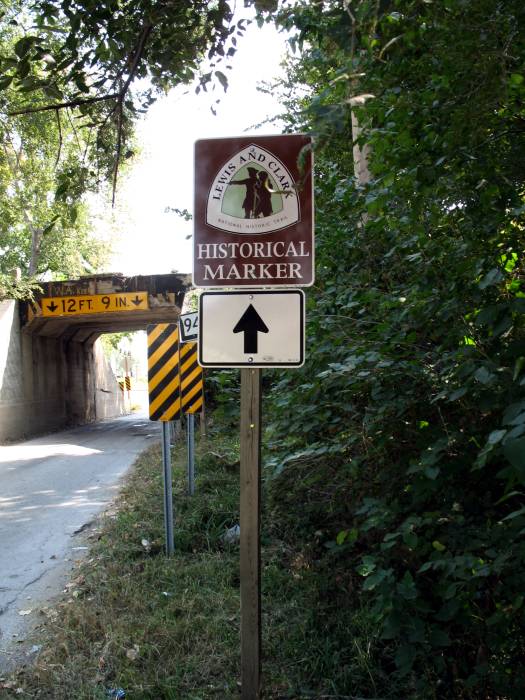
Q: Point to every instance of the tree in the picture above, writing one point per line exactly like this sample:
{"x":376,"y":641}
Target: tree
{"x":44,"y":171}
{"x":87,"y":56}
{"x":404,"y":436}
{"x":73,"y":79}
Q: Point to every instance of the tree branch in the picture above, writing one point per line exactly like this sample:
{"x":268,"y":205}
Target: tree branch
{"x":64,"y":105}
{"x":120,"y":127}
{"x":141,"y":45}
{"x":135,"y":58}
{"x":139,"y":52}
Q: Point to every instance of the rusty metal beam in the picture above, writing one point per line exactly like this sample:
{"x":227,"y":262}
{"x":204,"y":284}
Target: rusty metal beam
{"x":165,"y":299}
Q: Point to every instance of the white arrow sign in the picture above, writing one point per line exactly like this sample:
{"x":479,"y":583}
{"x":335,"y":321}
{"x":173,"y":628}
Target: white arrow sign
{"x":251,"y":329}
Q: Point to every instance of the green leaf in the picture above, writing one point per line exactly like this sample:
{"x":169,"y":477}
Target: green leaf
{"x":515,"y":514}
{"x":222,"y":79}
{"x":431,"y":472}
{"x":458,"y":393}
{"x":483,"y":375}
{"x":518,"y":420}
{"x":512,"y":411}
{"x":367,"y":566}
{"x":23,"y":45}
{"x":405,"y":657}
{"x":439,"y":638}
{"x":410,"y":539}
{"x":514,"y":451}
{"x":376,"y":578}
{"x":425,"y":567}
{"x":407,"y":588}
{"x":496,"y":436}
{"x":341,"y":536}
{"x":438,"y":546}
{"x":516,"y":79}
{"x":493,"y":277}
{"x":392,"y":625}
{"x":518,"y":366}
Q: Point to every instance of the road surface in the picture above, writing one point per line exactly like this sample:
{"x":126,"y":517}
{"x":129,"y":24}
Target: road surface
{"x":50,"y":489}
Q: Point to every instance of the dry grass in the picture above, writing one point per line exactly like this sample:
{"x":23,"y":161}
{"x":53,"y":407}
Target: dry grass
{"x":169,"y":628}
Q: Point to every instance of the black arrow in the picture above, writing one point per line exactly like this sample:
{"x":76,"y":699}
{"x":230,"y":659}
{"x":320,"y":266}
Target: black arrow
{"x":52,"y":307}
{"x":250,"y":324}
{"x":137,"y":300}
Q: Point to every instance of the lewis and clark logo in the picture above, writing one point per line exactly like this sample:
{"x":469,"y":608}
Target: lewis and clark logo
{"x":253,"y":193}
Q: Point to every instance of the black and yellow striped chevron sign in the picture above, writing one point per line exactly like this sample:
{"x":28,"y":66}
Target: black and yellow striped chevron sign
{"x":191,"y":379}
{"x":163,"y":371}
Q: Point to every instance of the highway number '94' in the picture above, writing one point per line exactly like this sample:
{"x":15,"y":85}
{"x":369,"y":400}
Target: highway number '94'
{"x":189,"y":327}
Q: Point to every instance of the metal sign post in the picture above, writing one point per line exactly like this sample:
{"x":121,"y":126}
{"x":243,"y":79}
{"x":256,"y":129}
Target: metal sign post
{"x":168,"y":489}
{"x":192,"y":399}
{"x":190,"y":430}
{"x":127,"y":379}
{"x":164,"y":403}
{"x":250,"y":454}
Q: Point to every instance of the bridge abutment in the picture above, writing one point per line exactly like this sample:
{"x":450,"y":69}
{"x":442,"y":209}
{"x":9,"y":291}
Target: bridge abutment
{"x":49,"y":383}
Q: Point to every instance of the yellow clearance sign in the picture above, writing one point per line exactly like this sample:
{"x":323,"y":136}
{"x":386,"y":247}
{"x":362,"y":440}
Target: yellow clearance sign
{"x":94,"y":304}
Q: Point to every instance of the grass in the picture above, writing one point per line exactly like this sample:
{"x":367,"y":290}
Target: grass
{"x":169,"y":628}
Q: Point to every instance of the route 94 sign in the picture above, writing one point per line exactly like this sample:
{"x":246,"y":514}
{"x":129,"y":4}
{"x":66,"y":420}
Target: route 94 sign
{"x":253,"y":224}
{"x":189,"y":327}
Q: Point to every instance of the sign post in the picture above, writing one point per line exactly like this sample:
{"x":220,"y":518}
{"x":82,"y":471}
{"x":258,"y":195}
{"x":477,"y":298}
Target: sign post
{"x":168,"y":489}
{"x":190,"y":429}
{"x":253,"y":228}
{"x":164,"y":403}
{"x":250,"y":470}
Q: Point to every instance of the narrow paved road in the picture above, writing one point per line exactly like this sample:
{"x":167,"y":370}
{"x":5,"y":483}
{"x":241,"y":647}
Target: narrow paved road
{"x":50,"y":488}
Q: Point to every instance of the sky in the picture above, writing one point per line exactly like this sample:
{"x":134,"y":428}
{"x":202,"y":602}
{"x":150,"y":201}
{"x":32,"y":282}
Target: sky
{"x":149,"y":240}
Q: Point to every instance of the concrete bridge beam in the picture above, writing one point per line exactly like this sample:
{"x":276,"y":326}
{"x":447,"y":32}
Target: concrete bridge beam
{"x":53,"y":373}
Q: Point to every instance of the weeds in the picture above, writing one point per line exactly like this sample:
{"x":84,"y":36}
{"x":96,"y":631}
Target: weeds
{"x":169,"y":628}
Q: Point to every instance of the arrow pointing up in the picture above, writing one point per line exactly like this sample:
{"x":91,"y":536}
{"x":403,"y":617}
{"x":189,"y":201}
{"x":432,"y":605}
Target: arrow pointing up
{"x":137,"y":300}
{"x":250,"y":324}
{"x":52,"y":307}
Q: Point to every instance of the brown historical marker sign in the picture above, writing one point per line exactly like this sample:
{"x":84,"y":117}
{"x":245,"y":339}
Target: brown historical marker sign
{"x":253,"y":212}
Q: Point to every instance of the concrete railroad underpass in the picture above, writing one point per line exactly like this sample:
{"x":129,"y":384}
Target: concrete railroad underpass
{"x":53,"y":372}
